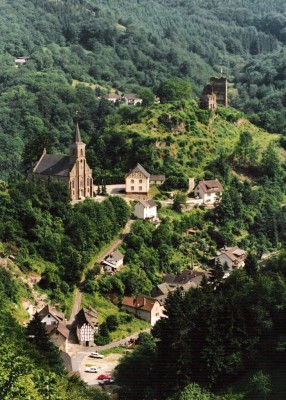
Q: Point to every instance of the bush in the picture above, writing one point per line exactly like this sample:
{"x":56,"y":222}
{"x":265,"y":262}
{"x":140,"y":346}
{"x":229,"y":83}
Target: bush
{"x":112,"y":322}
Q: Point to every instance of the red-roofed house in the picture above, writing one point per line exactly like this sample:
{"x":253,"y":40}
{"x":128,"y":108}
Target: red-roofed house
{"x":146,"y":308}
{"x":209,"y":191}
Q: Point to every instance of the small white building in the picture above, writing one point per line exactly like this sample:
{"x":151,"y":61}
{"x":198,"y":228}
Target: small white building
{"x":113,"y":97}
{"x":21,"y":60}
{"x":131,"y":99}
{"x":113,"y":262}
{"x":209,"y":191}
{"x":146,"y":308}
{"x":146,"y":209}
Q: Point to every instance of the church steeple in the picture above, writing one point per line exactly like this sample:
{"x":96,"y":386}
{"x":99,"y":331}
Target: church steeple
{"x":77,"y":149}
{"x":77,"y":134}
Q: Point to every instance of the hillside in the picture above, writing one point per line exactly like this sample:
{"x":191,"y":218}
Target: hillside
{"x":128,"y":45}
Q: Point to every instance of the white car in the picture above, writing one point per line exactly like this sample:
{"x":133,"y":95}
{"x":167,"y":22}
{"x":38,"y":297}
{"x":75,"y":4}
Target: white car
{"x":94,"y":354}
{"x":91,"y":369}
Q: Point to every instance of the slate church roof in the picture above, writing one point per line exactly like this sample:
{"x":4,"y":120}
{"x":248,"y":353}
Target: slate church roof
{"x":53,"y":165}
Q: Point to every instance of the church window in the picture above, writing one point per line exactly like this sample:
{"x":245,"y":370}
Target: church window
{"x":81,"y":152}
{"x":73,"y":184}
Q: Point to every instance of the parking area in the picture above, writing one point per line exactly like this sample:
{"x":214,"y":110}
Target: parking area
{"x":105,"y":366}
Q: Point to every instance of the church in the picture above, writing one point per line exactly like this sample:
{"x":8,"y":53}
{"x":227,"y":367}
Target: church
{"x":72,"y":170}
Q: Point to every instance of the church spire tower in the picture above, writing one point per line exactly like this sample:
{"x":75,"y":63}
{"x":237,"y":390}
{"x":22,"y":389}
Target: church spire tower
{"x":81,"y":182}
{"x":77,"y":148}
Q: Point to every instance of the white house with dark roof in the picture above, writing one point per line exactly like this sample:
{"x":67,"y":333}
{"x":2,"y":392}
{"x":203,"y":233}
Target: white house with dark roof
{"x":113,"y":262}
{"x":86,"y":326}
{"x":137,"y":180}
{"x":55,"y":325}
{"x":146,"y":209}
{"x":157,"y":179}
{"x":209,"y":191}
{"x":73,"y":170}
{"x":131,"y":99}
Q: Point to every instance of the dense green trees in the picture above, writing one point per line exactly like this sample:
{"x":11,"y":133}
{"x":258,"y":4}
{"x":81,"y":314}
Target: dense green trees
{"x":38,"y":218}
{"x":213,"y":334}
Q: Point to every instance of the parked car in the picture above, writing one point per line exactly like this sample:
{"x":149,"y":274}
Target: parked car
{"x":94,"y":354}
{"x":106,"y":382}
{"x":101,"y":377}
{"x":91,"y":369}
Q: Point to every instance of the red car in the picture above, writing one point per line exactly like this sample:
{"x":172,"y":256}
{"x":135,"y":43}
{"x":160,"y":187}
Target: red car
{"x":103,"y":376}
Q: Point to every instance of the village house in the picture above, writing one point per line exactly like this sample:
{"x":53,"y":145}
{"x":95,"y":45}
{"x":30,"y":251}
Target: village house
{"x":55,"y":325}
{"x":209,"y":191}
{"x":186,"y":280}
{"x":137,"y":181}
{"x":146,"y":308}
{"x":113,"y":97}
{"x":21,"y":61}
{"x":86,"y":326}
{"x":231,"y":258}
{"x":131,"y":99}
{"x":113,"y":262}
{"x":146,"y":209}
{"x":73,"y":170}
{"x":157,"y":179}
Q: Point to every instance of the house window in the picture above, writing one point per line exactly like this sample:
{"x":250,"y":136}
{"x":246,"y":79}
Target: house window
{"x":140,"y":180}
{"x":140,"y":188}
{"x":157,"y":314}
{"x":132,"y":180}
{"x":132,"y":187}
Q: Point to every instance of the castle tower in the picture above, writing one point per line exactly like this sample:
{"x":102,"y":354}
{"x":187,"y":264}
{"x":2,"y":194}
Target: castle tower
{"x":81,"y":182}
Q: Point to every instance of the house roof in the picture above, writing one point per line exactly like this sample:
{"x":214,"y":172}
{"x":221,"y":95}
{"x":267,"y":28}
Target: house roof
{"x":131,"y":96}
{"x":139,"y":168}
{"x":164,"y":288}
{"x":233,"y":253}
{"x":211,"y":186}
{"x":51,"y":310}
{"x":113,"y":96}
{"x":148,"y":203}
{"x":87,"y":315}
{"x":157,"y":178}
{"x":61,"y":328}
{"x":139,"y":302}
{"x":187,"y":276}
{"x":51,"y":165}
{"x":115,"y":256}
